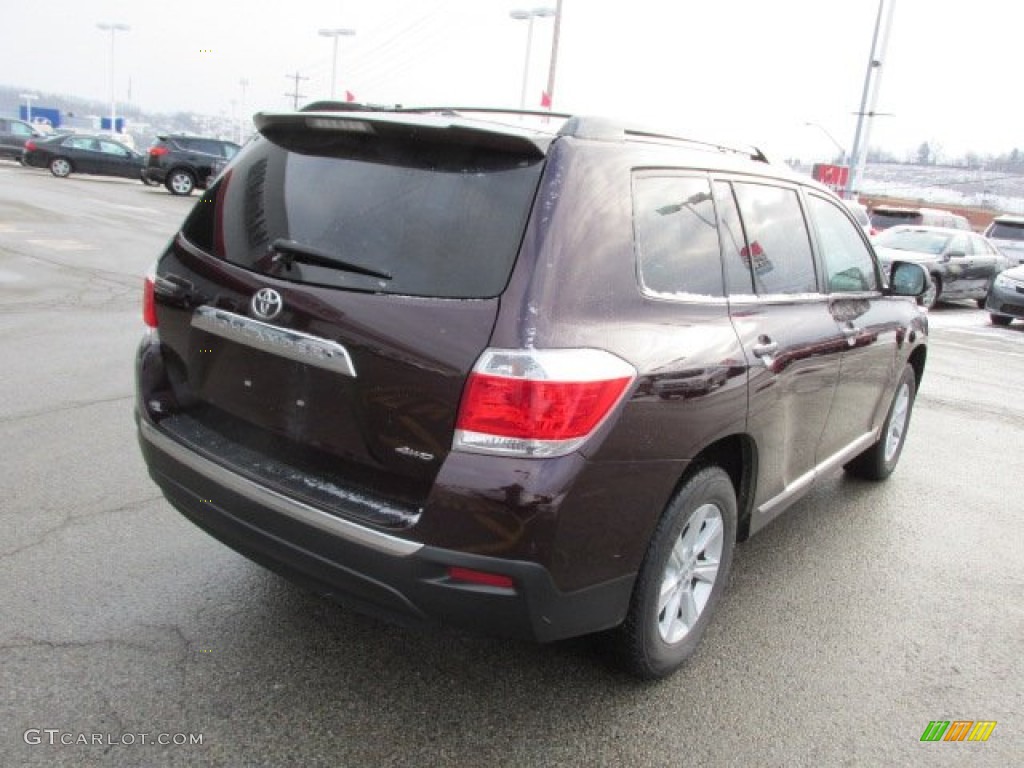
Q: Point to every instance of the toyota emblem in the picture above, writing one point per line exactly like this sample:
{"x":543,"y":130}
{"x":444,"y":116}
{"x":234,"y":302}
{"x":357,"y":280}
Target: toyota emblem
{"x":267,"y":304}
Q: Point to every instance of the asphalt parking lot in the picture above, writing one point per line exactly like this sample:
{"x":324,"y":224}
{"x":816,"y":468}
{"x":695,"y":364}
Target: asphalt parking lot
{"x":864,"y":613}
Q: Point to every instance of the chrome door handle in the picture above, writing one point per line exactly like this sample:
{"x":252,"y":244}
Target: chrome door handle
{"x":765,"y":349}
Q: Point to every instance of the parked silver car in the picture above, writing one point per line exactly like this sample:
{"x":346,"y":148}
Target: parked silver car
{"x":1007,"y":234}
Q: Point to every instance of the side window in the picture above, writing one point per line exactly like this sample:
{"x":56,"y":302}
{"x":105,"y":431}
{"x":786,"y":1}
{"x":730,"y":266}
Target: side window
{"x":959,"y":245}
{"x":738,"y":280}
{"x":677,"y":237}
{"x":779,"y":246}
{"x":111,"y":148}
{"x":229,"y":150}
{"x":849,"y":267}
{"x":20,"y":129}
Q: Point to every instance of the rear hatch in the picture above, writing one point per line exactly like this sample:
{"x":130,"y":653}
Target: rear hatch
{"x":327,"y":297}
{"x":883,"y":218}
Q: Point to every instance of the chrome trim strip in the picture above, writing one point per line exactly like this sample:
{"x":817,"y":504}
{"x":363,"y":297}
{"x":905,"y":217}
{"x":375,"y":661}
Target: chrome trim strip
{"x":802,"y":483}
{"x":293,"y":345}
{"x":382,"y":542}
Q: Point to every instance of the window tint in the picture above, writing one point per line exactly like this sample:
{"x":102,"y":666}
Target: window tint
{"x":20,"y":129}
{"x":779,"y":247}
{"x":442,"y":219}
{"x":677,"y":238}
{"x":80,"y":142}
{"x":1002,"y":230}
{"x":736,"y":266}
{"x":112,"y":149}
{"x":849,"y":267}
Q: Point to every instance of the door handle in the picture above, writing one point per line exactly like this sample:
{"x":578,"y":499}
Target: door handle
{"x":765,"y":347}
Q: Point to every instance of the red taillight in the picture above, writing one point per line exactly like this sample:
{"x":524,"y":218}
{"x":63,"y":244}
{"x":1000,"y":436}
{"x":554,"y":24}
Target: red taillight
{"x":149,"y":302}
{"x":30,"y":145}
{"x":538,"y":402}
{"x":483,"y":578}
{"x":158,"y":151}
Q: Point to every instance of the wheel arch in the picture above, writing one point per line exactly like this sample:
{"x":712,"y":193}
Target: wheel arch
{"x":736,"y":455}
{"x":917,"y":360}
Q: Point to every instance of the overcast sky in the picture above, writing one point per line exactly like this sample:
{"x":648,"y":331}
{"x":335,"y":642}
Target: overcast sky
{"x":750,"y":70}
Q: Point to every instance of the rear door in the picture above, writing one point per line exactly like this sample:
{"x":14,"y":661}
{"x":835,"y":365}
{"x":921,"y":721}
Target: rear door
{"x":328,"y":296}
{"x":787,"y":330}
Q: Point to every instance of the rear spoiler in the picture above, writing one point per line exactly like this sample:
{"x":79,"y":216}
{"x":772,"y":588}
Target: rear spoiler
{"x":408,"y":126}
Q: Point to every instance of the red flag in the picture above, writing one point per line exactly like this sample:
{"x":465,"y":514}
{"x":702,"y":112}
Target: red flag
{"x":349,"y":96}
{"x":545,"y":100}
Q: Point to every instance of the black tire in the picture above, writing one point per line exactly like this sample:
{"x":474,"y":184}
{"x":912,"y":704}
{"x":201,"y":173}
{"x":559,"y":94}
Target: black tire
{"x":180,"y":182}
{"x":641,"y":641}
{"x":981,"y":302}
{"x":1000,"y":320}
{"x":878,"y":461}
{"x":61,"y":167}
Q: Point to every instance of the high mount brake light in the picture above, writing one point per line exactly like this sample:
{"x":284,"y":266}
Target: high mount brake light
{"x":539,"y":403}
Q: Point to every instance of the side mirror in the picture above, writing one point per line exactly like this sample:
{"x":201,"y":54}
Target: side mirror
{"x":908,"y":279}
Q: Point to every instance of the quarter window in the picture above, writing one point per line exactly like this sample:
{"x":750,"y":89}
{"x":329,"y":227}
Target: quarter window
{"x":778,"y":246}
{"x":677,"y":237}
{"x":849,"y":267}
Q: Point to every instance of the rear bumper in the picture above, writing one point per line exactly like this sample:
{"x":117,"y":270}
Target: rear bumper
{"x":154,"y":174}
{"x":394,"y":578}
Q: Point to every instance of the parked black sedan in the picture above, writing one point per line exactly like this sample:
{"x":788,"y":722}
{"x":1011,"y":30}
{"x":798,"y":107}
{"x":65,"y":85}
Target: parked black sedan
{"x":963,"y":265}
{"x":78,"y":153}
{"x":1006,"y":299}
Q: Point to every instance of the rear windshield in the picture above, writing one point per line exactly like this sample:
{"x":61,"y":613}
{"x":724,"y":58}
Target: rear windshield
{"x":1002,"y":230}
{"x":881,"y":219}
{"x":438,"y":219}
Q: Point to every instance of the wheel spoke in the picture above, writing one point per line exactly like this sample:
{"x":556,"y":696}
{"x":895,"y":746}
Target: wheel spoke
{"x":710,"y":537}
{"x":669,"y":615}
{"x":689,"y":608}
{"x":706,"y":571}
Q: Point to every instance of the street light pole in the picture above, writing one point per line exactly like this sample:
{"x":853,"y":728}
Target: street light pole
{"x":529,"y":16}
{"x":335,"y":34}
{"x":553,"y":63}
{"x":113,"y":28}
{"x":872,"y":83}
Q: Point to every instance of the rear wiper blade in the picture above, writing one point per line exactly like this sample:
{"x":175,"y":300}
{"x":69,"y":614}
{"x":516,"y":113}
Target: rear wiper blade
{"x":289,"y":251}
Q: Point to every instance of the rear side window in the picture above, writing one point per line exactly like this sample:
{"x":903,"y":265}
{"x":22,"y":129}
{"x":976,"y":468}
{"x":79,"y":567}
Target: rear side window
{"x":372,"y":213}
{"x":677,"y":237}
{"x":779,"y":246}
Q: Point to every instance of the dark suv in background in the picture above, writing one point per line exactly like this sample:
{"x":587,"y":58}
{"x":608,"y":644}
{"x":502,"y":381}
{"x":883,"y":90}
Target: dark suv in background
{"x":182,"y":163}
{"x":13,"y":135}
{"x":536,"y":382}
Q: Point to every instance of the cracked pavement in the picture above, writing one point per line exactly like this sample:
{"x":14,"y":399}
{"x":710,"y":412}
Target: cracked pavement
{"x":859,"y":616}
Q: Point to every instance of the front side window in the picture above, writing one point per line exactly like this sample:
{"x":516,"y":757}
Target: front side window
{"x":778,"y":246}
{"x":677,"y":237}
{"x":849,"y":267}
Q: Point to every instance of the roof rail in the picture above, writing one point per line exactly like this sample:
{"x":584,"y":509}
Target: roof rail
{"x":602,"y":129}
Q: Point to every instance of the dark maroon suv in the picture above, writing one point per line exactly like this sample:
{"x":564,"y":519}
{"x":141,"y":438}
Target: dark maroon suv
{"x":448,"y":367}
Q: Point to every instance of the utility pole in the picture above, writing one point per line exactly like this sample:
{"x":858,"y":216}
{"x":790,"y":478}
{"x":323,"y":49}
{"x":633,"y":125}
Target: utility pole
{"x":295,"y":95}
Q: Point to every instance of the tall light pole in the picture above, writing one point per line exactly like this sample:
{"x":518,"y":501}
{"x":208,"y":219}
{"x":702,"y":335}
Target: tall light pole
{"x":28,"y":97}
{"x":553,"y":63}
{"x":872,"y":85}
{"x":113,"y":28}
{"x":529,"y":16}
{"x":335,"y":34}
